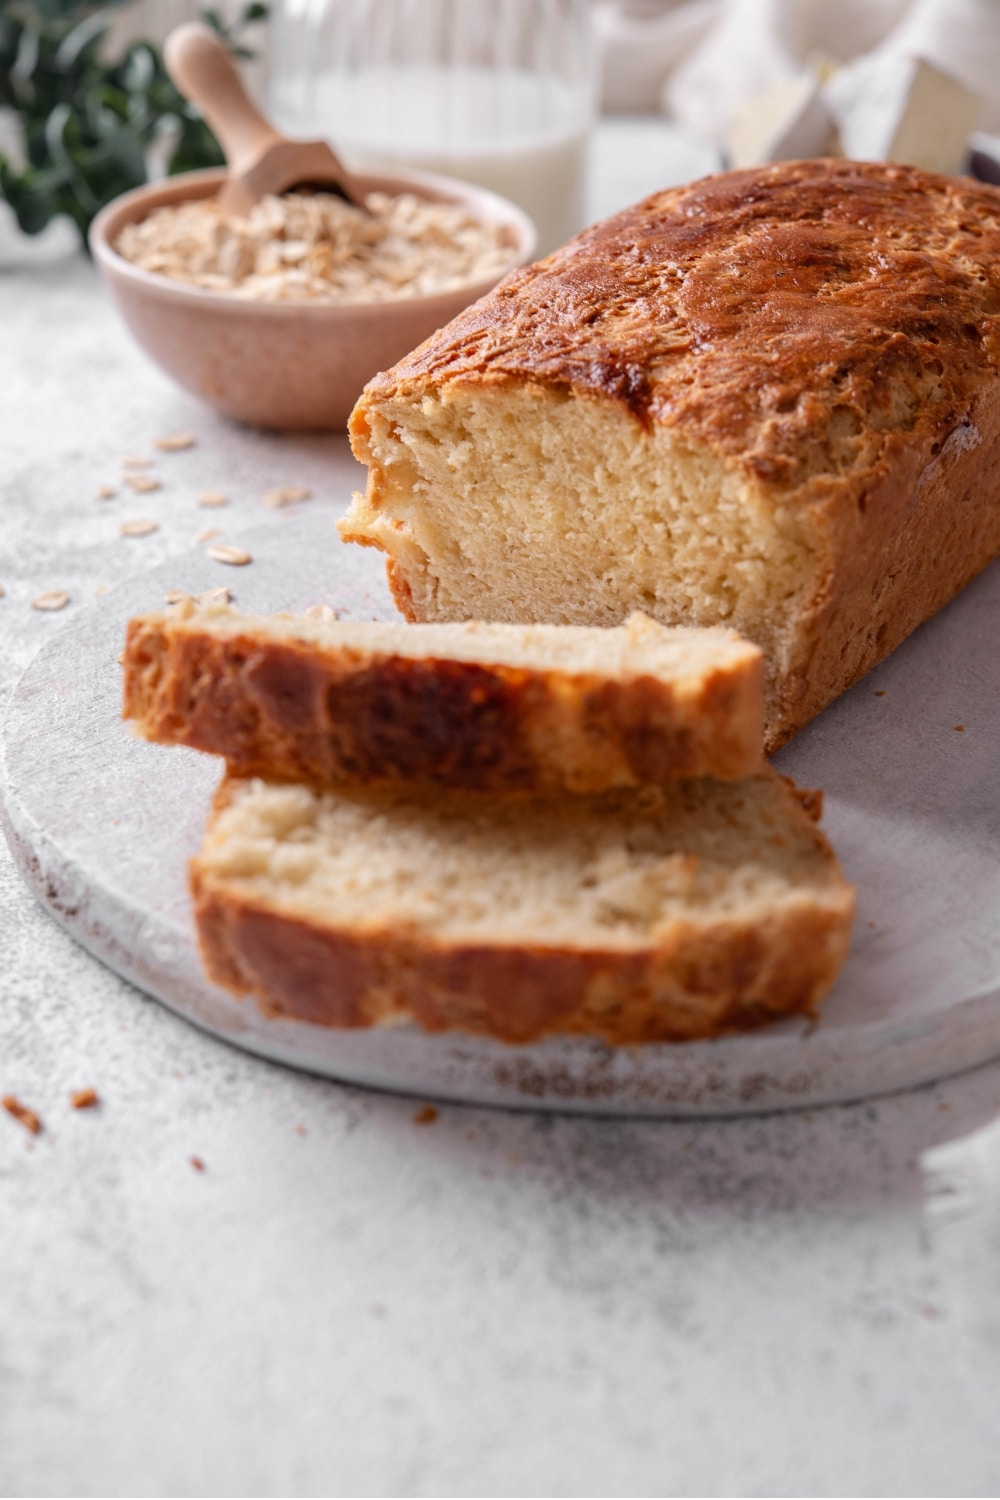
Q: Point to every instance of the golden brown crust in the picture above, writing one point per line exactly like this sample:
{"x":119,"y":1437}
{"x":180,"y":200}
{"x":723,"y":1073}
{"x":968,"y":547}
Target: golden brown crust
{"x":810,"y":799}
{"x":727,"y":976}
{"x":897,"y":546}
{"x":705,"y":977}
{"x":402,"y":594}
{"x":795,"y":317}
{"x":300,"y":711}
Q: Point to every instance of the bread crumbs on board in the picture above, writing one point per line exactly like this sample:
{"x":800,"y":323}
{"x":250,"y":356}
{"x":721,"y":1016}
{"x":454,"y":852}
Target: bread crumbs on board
{"x":22,"y":1114}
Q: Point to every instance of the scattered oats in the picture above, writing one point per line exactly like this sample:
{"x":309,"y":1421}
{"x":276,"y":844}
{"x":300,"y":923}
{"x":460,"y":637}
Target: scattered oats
{"x":314,"y":247}
{"x":120,"y":658}
{"x":289,"y":494}
{"x":234,"y":557}
{"x":211,"y":499}
{"x":22,"y":1114}
{"x":197,"y":1163}
{"x":142,"y":527}
{"x":425,"y":1116}
{"x":53,"y":600}
{"x":215,"y":596}
{"x":176,"y":596}
{"x":85,"y":1099}
{"x":135,"y":461}
{"x":207,"y":535}
{"x":105,"y":492}
{"x":324,"y":612}
{"x":142,"y":484}
{"x":174,"y":442}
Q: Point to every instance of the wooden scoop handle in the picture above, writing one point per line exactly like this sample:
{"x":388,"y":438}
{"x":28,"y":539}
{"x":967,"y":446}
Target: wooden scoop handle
{"x":204,"y":73}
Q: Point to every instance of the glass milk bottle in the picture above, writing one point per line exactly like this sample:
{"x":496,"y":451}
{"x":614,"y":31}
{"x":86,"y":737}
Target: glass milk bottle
{"x":499,"y":92}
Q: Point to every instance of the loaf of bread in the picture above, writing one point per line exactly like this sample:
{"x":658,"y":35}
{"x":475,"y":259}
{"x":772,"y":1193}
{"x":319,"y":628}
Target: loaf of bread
{"x":537,"y":708}
{"x":660,"y":914}
{"x":768,"y":400}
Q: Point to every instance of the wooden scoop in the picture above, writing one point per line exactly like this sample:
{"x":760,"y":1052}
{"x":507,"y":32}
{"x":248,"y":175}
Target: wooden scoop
{"x":260,"y":160}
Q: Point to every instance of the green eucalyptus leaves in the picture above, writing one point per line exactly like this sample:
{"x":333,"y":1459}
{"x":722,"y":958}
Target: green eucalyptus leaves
{"x":89,"y":124}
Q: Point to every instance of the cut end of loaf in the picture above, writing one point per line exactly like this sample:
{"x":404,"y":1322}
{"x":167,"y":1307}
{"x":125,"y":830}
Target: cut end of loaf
{"x":660,"y":915}
{"x":515,"y":503}
{"x":767,"y":399}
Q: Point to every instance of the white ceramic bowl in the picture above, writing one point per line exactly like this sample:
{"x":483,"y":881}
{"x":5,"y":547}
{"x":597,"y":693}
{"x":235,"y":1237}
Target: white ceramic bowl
{"x":289,"y":365}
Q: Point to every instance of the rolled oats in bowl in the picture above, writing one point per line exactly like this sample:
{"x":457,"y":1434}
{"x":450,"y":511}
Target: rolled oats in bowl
{"x":315,"y":247}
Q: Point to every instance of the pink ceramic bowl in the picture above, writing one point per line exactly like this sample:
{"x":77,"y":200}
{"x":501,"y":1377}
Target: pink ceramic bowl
{"x":290,"y":365}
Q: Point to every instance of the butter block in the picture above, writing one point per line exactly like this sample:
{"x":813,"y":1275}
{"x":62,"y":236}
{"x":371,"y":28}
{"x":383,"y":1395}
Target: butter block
{"x":790,"y":121}
{"x":903,"y":109}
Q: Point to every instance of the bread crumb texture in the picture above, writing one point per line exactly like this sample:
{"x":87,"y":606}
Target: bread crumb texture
{"x":655,"y":915}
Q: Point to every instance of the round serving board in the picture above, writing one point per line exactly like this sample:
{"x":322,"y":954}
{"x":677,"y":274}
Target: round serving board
{"x":102,"y":825}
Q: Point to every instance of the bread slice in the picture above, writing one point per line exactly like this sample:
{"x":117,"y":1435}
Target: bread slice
{"x":767,"y":400}
{"x":485,"y":707}
{"x":664,"y":914}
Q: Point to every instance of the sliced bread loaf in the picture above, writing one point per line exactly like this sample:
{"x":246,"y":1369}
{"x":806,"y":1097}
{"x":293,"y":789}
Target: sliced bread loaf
{"x":665,"y":914}
{"x":767,"y":400}
{"x":511,"y":708}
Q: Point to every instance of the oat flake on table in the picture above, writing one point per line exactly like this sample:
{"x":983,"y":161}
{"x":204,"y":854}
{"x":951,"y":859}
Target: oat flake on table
{"x":314,"y":247}
{"x":54,"y":599}
{"x":234,"y":557}
{"x":289,"y":494}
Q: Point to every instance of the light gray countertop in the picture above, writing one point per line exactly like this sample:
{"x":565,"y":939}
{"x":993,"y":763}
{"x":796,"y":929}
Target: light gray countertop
{"x":345,"y":1301}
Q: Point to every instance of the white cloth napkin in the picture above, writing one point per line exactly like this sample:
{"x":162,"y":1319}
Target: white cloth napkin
{"x":701,"y":60}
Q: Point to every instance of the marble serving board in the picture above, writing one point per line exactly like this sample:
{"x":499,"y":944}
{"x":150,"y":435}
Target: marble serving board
{"x":102,"y":825}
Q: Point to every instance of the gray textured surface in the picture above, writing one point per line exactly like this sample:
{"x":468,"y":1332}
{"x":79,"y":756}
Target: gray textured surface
{"x":490,"y":1303}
